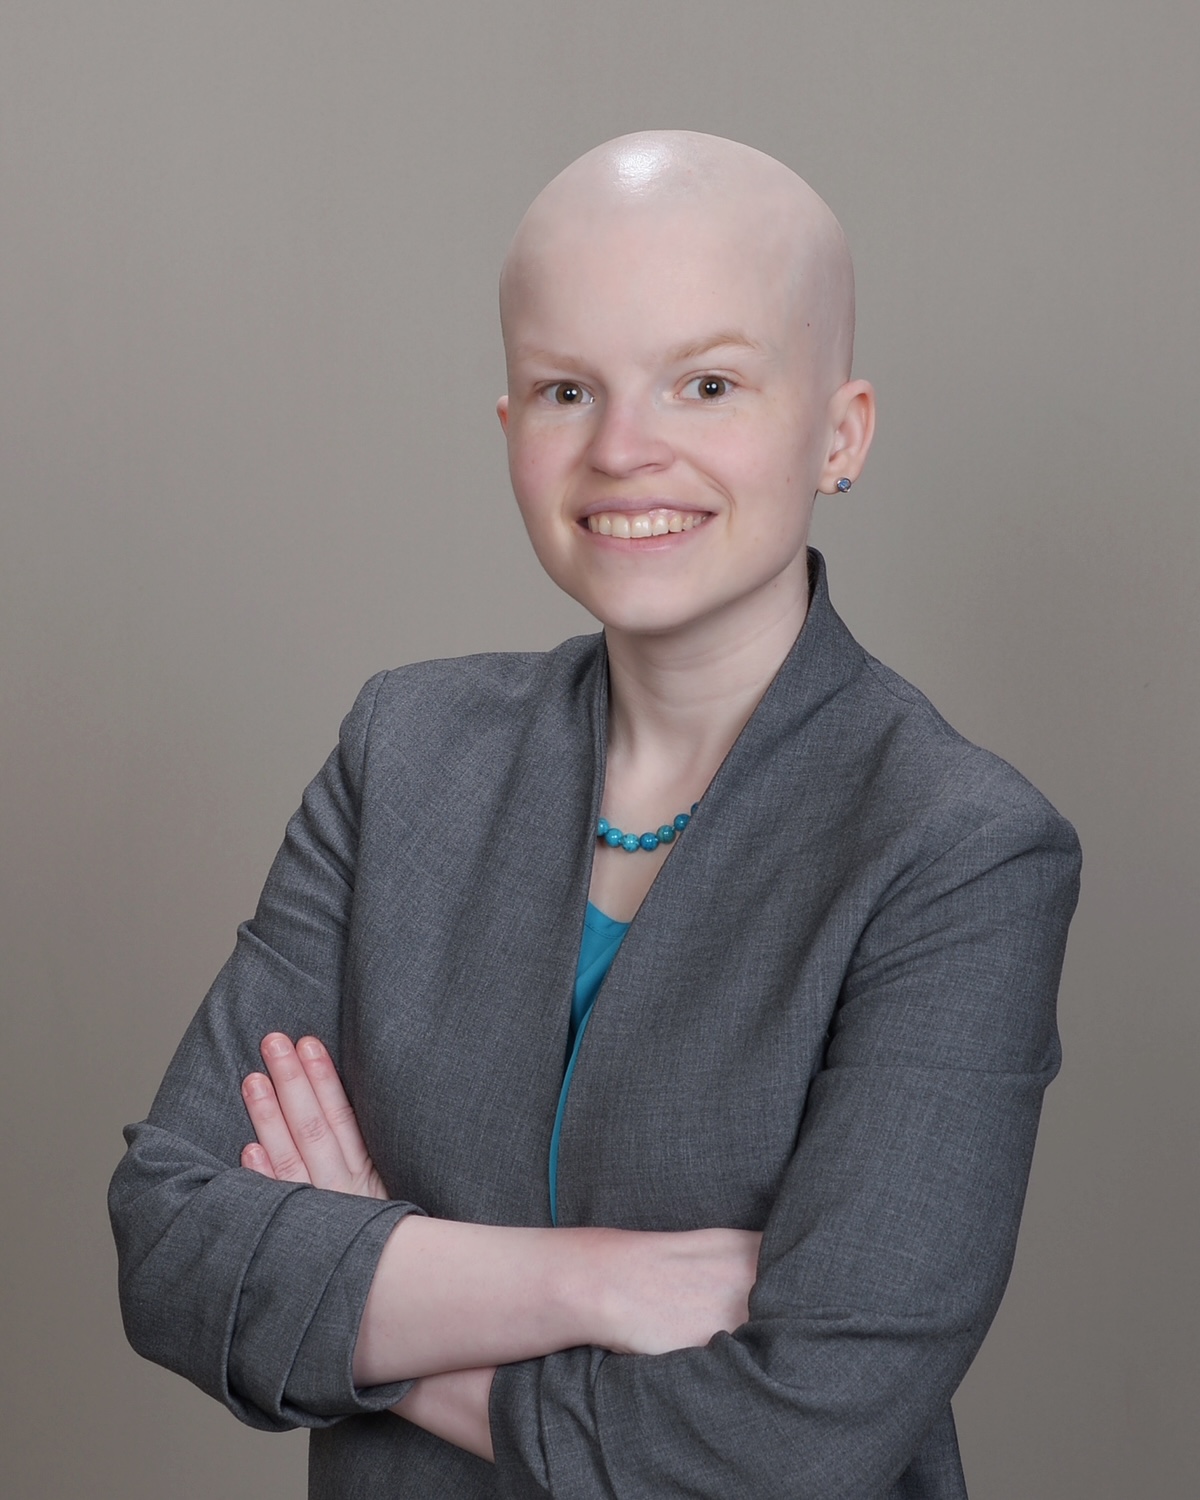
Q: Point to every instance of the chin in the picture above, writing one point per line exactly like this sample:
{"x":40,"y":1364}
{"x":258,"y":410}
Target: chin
{"x":649,"y":617}
{"x":744,"y":607}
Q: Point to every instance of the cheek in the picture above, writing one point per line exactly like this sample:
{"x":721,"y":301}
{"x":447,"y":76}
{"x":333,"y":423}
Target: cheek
{"x":789,"y":471}
{"x":527,"y":484}
{"x":756,"y":468}
{"x":536,"y":465}
{"x":745,"y":452}
{"x":539,"y":485}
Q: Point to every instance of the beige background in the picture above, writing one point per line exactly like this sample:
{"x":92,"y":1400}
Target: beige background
{"x":249,"y":359}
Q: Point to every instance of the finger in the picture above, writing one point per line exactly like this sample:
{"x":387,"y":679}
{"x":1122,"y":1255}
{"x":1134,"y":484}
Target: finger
{"x":331,"y":1096}
{"x":255,"y":1159}
{"x":274,"y":1136}
{"x":311,"y":1131}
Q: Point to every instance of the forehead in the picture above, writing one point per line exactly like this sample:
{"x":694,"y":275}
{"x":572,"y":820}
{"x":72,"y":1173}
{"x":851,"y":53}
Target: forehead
{"x":643,"y":283}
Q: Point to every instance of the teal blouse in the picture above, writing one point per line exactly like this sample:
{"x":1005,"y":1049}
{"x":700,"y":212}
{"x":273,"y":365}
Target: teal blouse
{"x":601,"y":938}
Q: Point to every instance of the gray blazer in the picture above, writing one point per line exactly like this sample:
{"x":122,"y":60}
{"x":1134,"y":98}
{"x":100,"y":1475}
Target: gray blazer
{"x":832,"y":1019}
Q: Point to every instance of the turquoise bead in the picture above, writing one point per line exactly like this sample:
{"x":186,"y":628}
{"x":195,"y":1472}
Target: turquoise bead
{"x":649,"y":841}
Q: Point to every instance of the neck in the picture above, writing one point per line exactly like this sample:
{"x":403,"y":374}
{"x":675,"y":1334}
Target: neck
{"x":680,"y":699}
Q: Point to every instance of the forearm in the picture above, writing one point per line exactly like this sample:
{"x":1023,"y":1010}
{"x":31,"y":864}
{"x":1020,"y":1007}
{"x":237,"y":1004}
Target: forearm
{"x":449,"y":1296}
{"x":446,"y":1295}
{"x":454,"y":1407}
{"x":453,"y":1296}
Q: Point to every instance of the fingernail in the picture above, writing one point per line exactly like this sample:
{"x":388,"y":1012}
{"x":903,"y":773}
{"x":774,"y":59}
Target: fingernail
{"x":255,"y":1086}
{"x":276,"y":1046}
{"x":310,"y":1048}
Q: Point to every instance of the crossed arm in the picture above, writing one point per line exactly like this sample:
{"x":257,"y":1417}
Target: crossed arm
{"x":451,"y":1301}
{"x":885,"y":1251}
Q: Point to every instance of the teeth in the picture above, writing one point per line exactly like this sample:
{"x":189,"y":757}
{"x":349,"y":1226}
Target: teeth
{"x":651,"y":523}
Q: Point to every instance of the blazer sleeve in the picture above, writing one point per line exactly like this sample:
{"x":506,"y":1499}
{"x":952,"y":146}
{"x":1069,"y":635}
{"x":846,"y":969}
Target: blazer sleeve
{"x":890,"y":1241}
{"x":254,"y":1289}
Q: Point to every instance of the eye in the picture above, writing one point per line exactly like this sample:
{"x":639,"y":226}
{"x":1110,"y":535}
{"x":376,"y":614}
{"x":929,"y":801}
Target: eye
{"x":567,"y":393}
{"x":709,"y":387}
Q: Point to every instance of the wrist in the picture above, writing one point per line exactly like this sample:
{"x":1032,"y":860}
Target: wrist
{"x":588,"y":1283}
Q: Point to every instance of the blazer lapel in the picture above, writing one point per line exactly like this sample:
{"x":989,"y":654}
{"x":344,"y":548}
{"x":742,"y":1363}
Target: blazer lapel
{"x":694,"y":1013}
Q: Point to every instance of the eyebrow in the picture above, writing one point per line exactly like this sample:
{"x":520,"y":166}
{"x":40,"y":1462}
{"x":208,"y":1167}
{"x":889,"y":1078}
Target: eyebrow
{"x":546,"y":357}
{"x":726,"y":339}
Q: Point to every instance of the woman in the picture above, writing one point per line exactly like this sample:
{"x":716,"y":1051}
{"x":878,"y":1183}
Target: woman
{"x":740,"y":1228}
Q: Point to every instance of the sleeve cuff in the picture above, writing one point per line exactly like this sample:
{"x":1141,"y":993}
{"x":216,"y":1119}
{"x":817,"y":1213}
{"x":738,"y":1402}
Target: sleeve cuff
{"x":516,"y":1418}
{"x":313,"y":1383}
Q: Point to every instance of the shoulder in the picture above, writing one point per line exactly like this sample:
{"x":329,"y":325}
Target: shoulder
{"x":942,"y":784}
{"x":489,"y":680}
{"x":891,"y":776}
{"x":433,"y":706}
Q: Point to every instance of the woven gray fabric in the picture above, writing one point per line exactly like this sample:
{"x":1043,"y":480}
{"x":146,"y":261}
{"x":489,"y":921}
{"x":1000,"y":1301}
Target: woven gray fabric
{"x":832,"y":1019}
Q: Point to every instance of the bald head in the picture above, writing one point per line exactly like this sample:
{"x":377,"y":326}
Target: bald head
{"x":648,"y":192}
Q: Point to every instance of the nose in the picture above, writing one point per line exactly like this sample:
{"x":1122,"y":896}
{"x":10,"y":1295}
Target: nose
{"x":629,"y":438}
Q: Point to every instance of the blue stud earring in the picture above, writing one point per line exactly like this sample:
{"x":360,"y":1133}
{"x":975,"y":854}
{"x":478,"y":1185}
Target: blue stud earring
{"x":843,"y":485}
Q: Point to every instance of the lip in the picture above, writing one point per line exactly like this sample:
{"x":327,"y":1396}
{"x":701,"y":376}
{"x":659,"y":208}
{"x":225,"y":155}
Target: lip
{"x":640,"y":546}
{"x":640,"y":507}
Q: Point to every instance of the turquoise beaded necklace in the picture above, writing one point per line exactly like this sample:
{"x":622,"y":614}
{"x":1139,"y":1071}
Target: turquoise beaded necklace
{"x":631,"y":842}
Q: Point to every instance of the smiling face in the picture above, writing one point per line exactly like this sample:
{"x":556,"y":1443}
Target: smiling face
{"x":673,"y":403}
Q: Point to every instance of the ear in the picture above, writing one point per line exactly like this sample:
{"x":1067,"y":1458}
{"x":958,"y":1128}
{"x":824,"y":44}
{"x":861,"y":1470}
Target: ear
{"x":852,"y":418}
{"x":502,"y":411}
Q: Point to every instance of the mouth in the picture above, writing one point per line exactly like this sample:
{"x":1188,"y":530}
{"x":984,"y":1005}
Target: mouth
{"x":634,"y":525}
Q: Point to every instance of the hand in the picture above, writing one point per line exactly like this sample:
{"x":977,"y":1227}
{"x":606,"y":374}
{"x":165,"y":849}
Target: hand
{"x":676,"y":1290}
{"x":304,"y":1122}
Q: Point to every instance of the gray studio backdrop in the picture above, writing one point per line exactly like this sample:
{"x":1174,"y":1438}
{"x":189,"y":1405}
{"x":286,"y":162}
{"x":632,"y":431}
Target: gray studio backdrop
{"x":250,"y":355}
